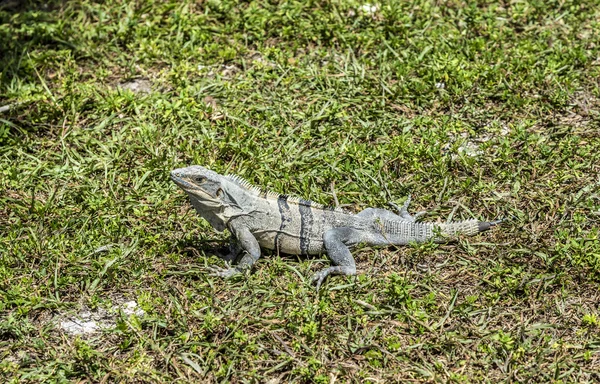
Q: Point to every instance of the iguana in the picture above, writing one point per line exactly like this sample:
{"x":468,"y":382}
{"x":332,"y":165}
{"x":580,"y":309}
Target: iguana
{"x":257,"y":218}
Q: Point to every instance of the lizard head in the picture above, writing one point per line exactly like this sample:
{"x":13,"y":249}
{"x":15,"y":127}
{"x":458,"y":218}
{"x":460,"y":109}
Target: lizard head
{"x":202,"y":184}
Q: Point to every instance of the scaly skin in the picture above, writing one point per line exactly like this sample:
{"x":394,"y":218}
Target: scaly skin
{"x":289,"y":225}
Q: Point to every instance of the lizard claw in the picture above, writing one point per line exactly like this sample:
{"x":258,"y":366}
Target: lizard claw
{"x":222,"y":272}
{"x":403,"y":210}
{"x":318,"y":279}
{"x":395,"y":206}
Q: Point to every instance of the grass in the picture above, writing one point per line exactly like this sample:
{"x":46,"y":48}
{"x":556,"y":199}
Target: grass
{"x":478,"y":109}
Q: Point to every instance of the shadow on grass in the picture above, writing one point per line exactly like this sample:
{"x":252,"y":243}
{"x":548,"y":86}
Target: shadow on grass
{"x":30,"y":33}
{"x":24,"y":27}
{"x":203,"y":248}
{"x":197,"y":253}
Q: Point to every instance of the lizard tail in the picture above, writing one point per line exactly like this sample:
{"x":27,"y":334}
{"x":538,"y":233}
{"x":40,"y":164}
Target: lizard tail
{"x":485,"y":225}
{"x":468,"y":227}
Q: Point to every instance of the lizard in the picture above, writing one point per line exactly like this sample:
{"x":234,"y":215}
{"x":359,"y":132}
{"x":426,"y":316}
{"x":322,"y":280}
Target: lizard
{"x":258,"y":218}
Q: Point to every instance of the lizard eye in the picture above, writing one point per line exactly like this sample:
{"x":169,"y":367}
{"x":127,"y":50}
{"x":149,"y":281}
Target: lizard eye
{"x":200,"y":179}
{"x":219,"y":192}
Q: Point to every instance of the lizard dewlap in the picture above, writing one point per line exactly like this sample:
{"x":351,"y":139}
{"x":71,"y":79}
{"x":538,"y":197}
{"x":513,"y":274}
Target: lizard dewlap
{"x":291,"y":225}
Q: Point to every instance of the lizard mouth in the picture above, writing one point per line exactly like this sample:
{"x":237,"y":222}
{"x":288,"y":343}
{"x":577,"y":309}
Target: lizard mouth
{"x":191,"y":188}
{"x":182,"y":182}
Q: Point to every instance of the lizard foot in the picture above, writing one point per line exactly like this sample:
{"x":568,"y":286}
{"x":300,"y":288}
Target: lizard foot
{"x":319,"y":277}
{"x":403,"y":210}
{"x":222,"y":272}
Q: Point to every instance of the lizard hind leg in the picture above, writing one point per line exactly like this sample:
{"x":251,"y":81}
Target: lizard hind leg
{"x":337,"y":242}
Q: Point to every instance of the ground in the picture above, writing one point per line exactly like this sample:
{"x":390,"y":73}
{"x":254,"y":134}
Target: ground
{"x":486,"y":110}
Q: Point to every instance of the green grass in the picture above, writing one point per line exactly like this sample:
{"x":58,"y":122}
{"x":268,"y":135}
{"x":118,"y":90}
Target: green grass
{"x":480,"y":110}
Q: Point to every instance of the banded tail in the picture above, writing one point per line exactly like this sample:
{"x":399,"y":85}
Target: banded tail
{"x":468,"y":227}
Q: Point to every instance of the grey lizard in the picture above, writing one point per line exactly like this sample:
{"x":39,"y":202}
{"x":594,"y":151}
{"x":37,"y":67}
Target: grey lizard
{"x":257,"y":218}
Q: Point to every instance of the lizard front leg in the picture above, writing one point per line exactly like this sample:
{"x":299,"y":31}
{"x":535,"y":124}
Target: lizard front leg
{"x":235,"y":249}
{"x":245,"y":240}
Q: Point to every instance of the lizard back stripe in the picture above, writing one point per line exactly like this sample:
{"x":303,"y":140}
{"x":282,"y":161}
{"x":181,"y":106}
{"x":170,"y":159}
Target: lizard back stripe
{"x":306,"y":224}
{"x":286,"y":218}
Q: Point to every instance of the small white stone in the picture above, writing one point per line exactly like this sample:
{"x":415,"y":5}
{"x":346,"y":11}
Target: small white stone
{"x":369,"y":9}
{"x":131,"y":308}
{"x":92,"y":321}
{"x":138,"y":86}
{"x":229,"y":70}
{"x":85,"y":315}
{"x":470,"y":149}
{"x":75,"y":327}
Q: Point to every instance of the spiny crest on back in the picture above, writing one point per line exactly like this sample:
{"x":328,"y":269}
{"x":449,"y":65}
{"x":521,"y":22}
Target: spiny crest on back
{"x":274,"y":195}
{"x":244,"y":184}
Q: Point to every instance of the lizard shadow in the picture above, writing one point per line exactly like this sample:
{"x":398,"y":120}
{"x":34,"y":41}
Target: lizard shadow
{"x":196,"y":249}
